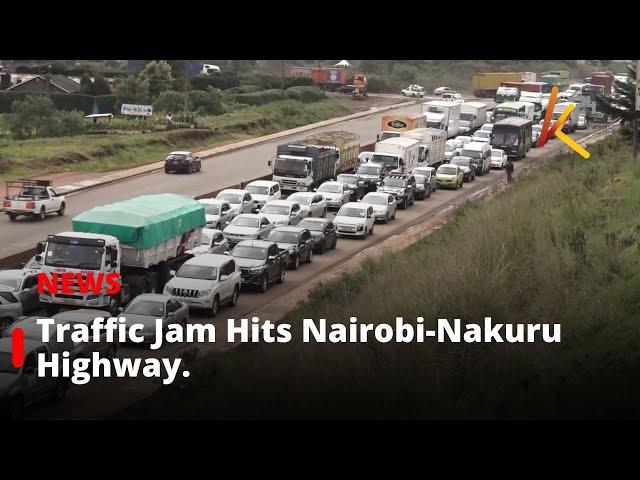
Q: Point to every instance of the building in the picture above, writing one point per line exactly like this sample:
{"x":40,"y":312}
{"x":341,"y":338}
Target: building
{"x":47,"y":84}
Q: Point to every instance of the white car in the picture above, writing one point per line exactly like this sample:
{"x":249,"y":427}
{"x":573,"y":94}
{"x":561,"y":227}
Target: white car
{"x":440,"y":90}
{"x":463,"y":139}
{"x":240,"y":200}
{"x":355,"y":219}
{"x":34,"y":198}
{"x":247,"y":226}
{"x":282,"y":212}
{"x":498,"y":158}
{"x":218,"y":213}
{"x":487,"y":127}
{"x":213,"y":241}
{"x":206,"y":281}
{"x":313,"y":204}
{"x":263,"y":191}
{"x":384,"y":205}
{"x":335,"y":193}
{"x":451,"y":96}
{"x":413,"y":91}
{"x":482,"y":136}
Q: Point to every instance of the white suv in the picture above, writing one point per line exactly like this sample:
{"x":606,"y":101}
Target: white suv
{"x":355,"y":219}
{"x":206,"y":281}
{"x":240,"y":200}
{"x":263,"y":191}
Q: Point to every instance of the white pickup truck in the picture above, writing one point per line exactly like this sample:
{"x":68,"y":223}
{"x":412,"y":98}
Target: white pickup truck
{"x":413,"y":91}
{"x":33,"y":198}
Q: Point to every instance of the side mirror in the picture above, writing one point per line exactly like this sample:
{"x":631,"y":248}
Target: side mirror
{"x":40,"y":247}
{"x":315,"y":189}
{"x":172,"y":273}
{"x":114,"y":264}
{"x":38,"y":258}
{"x":227,"y":252}
{"x":271,"y":258}
{"x":120,"y":309}
{"x":268,"y":163}
{"x":223,"y":277}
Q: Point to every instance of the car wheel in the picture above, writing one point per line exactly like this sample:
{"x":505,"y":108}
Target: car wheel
{"x":310,"y":256}
{"x":429,"y":194}
{"x":166,"y":170}
{"x":371,"y":231}
{"x":190,"y":169}
{"x":234,"y":297}
{"x":12,"y":217}
{"x":214,"y":306}
{"x":386,"y":218}
{"x":296,"y":263}
{"x":281,"y":276}
{"x":62,"y":209}
{"x":264,"y":283}
{"x":42,"y":214}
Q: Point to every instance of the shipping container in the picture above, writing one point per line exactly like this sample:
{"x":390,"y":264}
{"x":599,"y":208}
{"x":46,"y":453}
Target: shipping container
{"x":393,"y":125}
{"x":347,"y":145}
{"x":486,"y":84}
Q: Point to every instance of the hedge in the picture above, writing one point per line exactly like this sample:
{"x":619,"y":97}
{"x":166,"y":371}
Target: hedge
{"x":304,"y":94}
{"x":258,"y":98}
{"x":64,"y":101}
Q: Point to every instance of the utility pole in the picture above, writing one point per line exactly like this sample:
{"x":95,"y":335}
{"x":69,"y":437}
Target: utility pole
{"x":282,"y":89}
{"x":322,"y":83}
{"x":635,"y":117}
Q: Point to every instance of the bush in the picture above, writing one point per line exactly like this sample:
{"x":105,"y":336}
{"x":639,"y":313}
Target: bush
{"x":222,"y":80}
{"x":379,"y":84}
{"x":106,"y":103}
{"x":298,"y":82}
{"x":304,"y":94}
{"x":35,"y":116}
{"x":169,"y":101}
{"x":259,"y":98}
{"x":206,"y":103}
{"x":265,"y":80}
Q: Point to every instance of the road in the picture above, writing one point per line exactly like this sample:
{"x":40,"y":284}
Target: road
{"x":218,"y":172}
{"x":105,"y":397}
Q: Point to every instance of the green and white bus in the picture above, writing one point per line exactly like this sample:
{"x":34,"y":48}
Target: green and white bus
{"x":513,"y":109}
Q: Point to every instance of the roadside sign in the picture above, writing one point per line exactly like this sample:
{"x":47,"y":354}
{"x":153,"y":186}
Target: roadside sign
{"x":136,"y":110}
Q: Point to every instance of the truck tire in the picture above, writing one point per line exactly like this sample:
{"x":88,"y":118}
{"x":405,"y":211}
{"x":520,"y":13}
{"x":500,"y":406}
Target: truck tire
{"x":62,"y":209}
{"x":12,"y":217}
{"x":51,"y":309}
{"x":42,"y":214}
{"x":264,"y":282}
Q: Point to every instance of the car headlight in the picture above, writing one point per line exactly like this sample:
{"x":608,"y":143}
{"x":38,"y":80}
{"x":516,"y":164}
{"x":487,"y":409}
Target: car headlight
{"x":360,"y":228}
{"x":204,"y":293}
{"x":256,"y":270}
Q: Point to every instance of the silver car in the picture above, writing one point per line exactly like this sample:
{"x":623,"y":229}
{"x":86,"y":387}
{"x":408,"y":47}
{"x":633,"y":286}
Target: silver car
{"x":313,"y":204}
{"x":282,"y":212}
{"x":384,"y":205}
{"x":240,"y":200}
{"x":429,"y":173}
{"x":248,"y":226}
{"x":335,"y":193}
{"x":218,"y":213}
{"x":213,"y":241}
{"x":24,"y":286}
{"x":10,"y":308}
{"x":146,"y":308}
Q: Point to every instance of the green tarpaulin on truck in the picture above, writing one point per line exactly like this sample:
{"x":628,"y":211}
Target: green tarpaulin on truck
{"x":145,"y":221}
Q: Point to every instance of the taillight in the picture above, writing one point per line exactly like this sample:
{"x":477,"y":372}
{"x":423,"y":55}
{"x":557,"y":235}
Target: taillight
{"x":31,"y":205}
{"x":6,"y":204}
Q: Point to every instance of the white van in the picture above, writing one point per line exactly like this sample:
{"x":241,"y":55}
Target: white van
{"x":480,"y":154}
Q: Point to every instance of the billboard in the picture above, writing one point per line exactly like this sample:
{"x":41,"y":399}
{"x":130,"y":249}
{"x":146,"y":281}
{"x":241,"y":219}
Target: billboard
{"x":136,"y":110}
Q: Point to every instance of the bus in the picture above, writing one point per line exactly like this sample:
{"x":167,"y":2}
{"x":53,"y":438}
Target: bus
{"x":513,"y":109}
{"x":513,"y":136}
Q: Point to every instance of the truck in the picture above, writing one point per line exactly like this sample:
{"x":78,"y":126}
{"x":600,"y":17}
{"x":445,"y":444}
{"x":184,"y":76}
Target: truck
{"x":513,"y":109}
{"x":536,"y":87}
{"x":443,"y":115}
{"x":394,"y":125}
{"x":301,"y":165}
{"x":506,"y":94}
{"x":432,"y":145}
{"x":556,"y":78}
{"x":539,"y":102}
{"x":34,"y":198}
{"x":346,"y":145}
{"x":603,"y":79}
{"x":472,"y":115}
{"x":587,"y":104}
{"x":141,"y":239}
{"x":572,"y":120}
{"x":331,"y":78}
{"x":487,"y":84}
{"x":398,"y":155}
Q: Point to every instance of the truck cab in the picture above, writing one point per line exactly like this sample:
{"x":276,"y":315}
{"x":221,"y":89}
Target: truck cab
{"x":507,"y":94}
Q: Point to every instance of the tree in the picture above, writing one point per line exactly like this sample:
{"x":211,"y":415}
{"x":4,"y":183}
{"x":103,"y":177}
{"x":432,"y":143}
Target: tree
{"x":30,"y":116}
{"x":369,"y":66}
{"x":170,"y":101}
{"x":623,"y":104}
{"x":86,"y":84}
{"x":206,"y":103}
{"x":132,"y":90}
{"x":158,"y":77}
{"x":101,"y":85}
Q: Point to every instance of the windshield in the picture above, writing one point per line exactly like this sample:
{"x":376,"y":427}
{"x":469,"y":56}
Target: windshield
{"x":434,"y":124}
{"x":386,"y":160}
{"x":352,"y":212}
{"x":12,"y":283}
{"x":206,"y":238}
{"x":386,"y":135}
{"x":312,"y":225}
{"x":472,"y":153}
{"x":419,"y":178}
{"x":252,"y":253}
{"x":496,"y":153}
{"x":257,"y":190}
{"x":286,"y":167}
{"x":283,"y":237}
{"x":146,"y":307}
{"x":505,"y":138}
{"x":369,"y":171}
{"x":482,"y":134}
{"x":505,"y":98}
{"x":211,"y":209}
{"x":246,"y":222}
{"x":199,"y":272}
{"x":301,"y":199}
{"x":449,"y":148}
{"x":230,"y":197}
{"x":375,"y":199}
{"x":348,"y":179}
{"x":331,"y":188}
{"x":394,"y":182}
{"x":447,"y":170}
{"x":74,"y":256}
{"x":176,"y":157}
{"x":467,"y":116}
{"x":275,"y":209}
{"x":465,"y":162}
{"x":5,"y":364}
{"x":465,"y":123}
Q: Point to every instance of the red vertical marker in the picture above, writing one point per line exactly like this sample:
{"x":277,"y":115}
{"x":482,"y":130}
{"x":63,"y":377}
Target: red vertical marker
{"x":17,"y":347}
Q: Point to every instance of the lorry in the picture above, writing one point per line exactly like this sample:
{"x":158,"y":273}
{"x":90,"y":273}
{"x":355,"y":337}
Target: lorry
{"x":572,"y":120}
{"x":556,"y":78}
{"x":603,"y":79}
{"x":34,"y":198}
{"x":472,"y":116}
{"x":346,"y":145}
{"x":330,"y":78}
{"x":432,"y":145}
{"x":487,"y":84}
{"x":141,"y":239}
{"x":587,"y":104}
{"x":506,"y":94}
{"x":513,"y":109}
{"x":539,"y":103}
{"x":536,"y":87}
{"x":394,"y":125}
{"x":443,"y":115}
{"x":301,"y":165}
{"x":398,"y":155}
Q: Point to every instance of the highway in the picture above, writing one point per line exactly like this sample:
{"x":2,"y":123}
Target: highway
{"x":106,"y":397}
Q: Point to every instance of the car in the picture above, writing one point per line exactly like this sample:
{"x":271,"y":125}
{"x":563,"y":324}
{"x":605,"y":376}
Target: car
{"x":33,"y":265}
{"x":482,"y":136}
{"x":403,"y":187}
{"x":498,"y":158}
{"x":355,"y":219}
{"x":261,"y":262}
{"x":430,"y":173}
{"x":33,"y":198}
{"x":24,"y":286}
{"x":583,"y":123}
{"x":423,"y":186}
{"x":487,"y":127}
{"x":218,"y":213}
{"x":384,"y":205}
{"x":451,"y":149}
{"x":464,"y":139}
{"x":536,"y":131}
{"x":282,"y":212}
{"x":205,"y":282}
{"x":440,"y":90}
{"x":364,"y":157}
{"x":468,"y":169}
{"x":239,"y":199}
{"x":296,"y":241}
{"x":413,"y":91}
{"x":213,"y":241}
{"x":187,"y":162}
{"x":352,"y":182}
{"x":449,"y":176}
{"x":247,"y":226}
{"x":323,"y":233}
{"x":451,"y":96}
{"x":146,"y":308}
{"x":369,"y":175}
{"x":10,"y":308}
{"x":22,"y":387}
{"x":335,"y":193}
{"x":263,"y":191}
{"x":313,"y":204}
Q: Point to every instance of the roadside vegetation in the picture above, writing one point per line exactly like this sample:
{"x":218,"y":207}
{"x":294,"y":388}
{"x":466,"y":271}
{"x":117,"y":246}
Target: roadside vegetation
{"x":560,"y":246}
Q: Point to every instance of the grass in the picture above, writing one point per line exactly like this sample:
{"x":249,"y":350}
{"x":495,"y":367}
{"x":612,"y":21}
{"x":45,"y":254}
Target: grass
{"x":560,"y":246}
{"x":100,"y":153}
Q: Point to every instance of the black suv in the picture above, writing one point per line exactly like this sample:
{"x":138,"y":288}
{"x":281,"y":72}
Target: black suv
{"x":182,"y":162}
{"x":323,"y":232}
{"x":260,"y":263}
{"x":296,"y":241}
{"x":403,"y":187}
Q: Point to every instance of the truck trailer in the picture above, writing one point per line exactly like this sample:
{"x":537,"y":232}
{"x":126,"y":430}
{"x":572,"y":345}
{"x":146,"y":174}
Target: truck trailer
{"x":487,"y":84}
{"x":394,"y":125}
{"x":431,"y":147}
{"x":397,"y":154}
{"x":346,"y":145}
{"x":443,"y":115}
{"x":472,"y":116}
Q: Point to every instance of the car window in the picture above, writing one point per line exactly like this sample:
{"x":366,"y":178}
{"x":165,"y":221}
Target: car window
{"x":276,"y":189}
{"x":227,"y":269}
{"x":305,"y":236}
{"x":30,"y":282}
{"x":8,"y":297}
{"x":273,"y":250}
{"x":264,"y":222}
{"x":295,"y":208}
{"x":247,"y":197}
{"x":329,"y":225}
{"x":218,"y":237}
{"x":225,"y":207}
